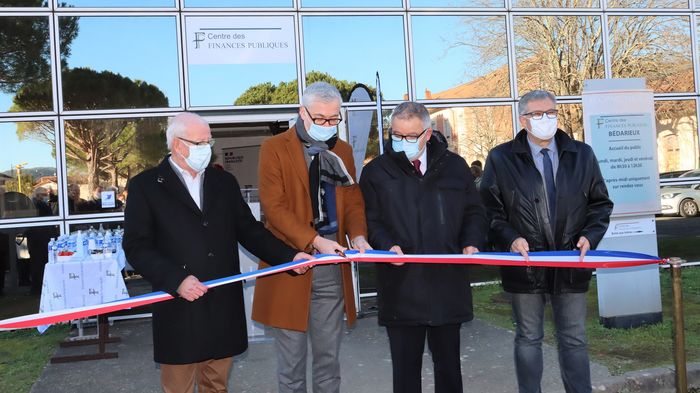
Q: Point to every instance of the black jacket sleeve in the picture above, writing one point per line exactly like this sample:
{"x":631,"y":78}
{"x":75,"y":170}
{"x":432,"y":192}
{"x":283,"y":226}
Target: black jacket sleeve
{"x":473,"y":231}
{"x":379,"y":236}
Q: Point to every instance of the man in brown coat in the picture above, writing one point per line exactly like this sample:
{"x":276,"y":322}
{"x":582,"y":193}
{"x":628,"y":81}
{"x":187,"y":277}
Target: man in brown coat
{"x":311,"y":201}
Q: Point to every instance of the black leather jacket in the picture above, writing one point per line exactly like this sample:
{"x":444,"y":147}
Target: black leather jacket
{"x":513,"y":193}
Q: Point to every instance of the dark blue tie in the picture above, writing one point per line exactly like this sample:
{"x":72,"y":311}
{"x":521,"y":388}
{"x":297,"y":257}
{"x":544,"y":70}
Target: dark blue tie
{"x":549,"y":185}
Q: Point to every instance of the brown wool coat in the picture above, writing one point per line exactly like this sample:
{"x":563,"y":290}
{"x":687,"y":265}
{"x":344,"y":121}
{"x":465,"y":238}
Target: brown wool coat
{"x":282,"y":300}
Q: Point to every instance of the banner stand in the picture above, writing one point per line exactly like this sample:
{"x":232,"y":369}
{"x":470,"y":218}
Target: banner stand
{"x":620,"y":125}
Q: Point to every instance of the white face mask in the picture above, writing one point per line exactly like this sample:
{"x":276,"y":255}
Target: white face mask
{"x":199,"y":157}
{"x":544,"y":128}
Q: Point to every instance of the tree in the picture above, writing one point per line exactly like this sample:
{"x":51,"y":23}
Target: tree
{"x":100,"y":145}
{"x":286,"y":92}
{"x":25,"y":55}
{"x":27,"y":184}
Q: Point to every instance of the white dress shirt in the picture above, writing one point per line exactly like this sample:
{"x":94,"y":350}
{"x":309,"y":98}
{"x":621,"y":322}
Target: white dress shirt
{"x":193,"y":184}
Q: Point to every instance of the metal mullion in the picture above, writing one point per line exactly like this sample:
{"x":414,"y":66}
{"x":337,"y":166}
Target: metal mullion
{"x":408,"y":51}
{"x":607,"y":54}
{"x":469,"y":105}
{"x":234,"y":108}
{"x":23,"y":223}
{"x":100,"y":116}
{"x":301,"y":65}
{"x":694,"y":48}
{"x":449,"y":11}
{"x":181,"y":64}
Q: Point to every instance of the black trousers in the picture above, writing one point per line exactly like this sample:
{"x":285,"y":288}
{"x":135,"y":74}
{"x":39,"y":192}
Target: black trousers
{"x":407,"y":344}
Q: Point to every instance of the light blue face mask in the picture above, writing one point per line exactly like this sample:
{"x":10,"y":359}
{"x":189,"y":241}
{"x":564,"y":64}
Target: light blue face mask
{"x":412,"y":150}
{"x":199,"y":157}
{"x":321,"y":133}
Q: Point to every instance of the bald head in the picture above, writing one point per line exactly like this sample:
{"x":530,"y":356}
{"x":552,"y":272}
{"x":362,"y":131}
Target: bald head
{"x":187,"y":125}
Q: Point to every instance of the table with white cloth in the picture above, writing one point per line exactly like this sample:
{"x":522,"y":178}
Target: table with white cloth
{"x":80,"y":282}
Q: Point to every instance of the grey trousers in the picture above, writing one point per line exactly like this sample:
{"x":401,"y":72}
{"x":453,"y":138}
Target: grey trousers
{"x":324,"y":332}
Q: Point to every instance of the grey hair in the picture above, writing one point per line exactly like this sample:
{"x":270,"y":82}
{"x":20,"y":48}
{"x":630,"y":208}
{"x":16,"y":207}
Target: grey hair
{"x":320,"y":92}
{"x":534,"y":95}
{"x":409,"y":110}
{"x":177,"y":126}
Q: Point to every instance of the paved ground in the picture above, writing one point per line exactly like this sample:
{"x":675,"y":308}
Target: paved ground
{"x":487,"y":364}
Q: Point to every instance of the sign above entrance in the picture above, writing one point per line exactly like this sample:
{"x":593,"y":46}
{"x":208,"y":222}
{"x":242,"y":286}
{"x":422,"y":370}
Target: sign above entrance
{"x":240,"y":40}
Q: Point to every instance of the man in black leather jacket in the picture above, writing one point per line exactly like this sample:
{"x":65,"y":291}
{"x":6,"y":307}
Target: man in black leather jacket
{"x":543,"y":191}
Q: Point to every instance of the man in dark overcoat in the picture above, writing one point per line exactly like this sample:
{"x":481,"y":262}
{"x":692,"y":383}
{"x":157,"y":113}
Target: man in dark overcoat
{"x":420,"y":199}
{"x":183,"y":223}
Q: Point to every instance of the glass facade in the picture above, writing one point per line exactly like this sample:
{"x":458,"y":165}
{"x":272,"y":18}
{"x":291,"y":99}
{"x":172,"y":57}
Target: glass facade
{"x":86,"y":86}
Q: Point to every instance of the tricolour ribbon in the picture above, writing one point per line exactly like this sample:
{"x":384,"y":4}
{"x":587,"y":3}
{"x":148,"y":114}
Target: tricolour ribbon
{"x":594,"y":259}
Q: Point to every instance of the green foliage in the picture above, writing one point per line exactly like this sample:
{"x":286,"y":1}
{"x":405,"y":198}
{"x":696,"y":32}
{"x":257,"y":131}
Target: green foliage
{"x":27,"y":183}
{"x":23,"y":354}
{"x":286,"y":92}
{"x":620,"y":350}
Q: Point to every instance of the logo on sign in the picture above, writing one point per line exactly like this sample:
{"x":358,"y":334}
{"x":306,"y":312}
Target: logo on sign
{"x":93,"y":291}
{"x":57,"y":295}
{"x":73,"y":276}
{"x":198,"y":37}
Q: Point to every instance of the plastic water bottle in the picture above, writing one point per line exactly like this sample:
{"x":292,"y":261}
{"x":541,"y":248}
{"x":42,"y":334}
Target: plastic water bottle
{"x":52,"y":250}
{"x":107,"y":245}
{"x":118,"y":237}
{"x":99,"y":243}
{"x":80,"y":244}
{"x":72,"y":244}
{"x":61,"y":243}
{"x":92,"y":242}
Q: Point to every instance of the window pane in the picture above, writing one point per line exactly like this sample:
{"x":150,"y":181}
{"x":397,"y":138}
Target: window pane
{"x":120,"y":62}
{"x":238,"y":3}
{"x":473,"y":131}
{"x":647,"y":4}
{"x":122,"y":147}
{"x":677,"y":137}
{"x":556,"y":3}
{"x":23,"y":254}
{"x":24,"y":3}
{"x":653,"y":47}
{"x":558,"y":53}
{"x":460,"y":56}
{"x":456,"y":3}
{"x":116,"y":3}
{"x":350,"y":3}
{"x":25,"y":64}
{"x":335,"y":51}
{"x":227,"y":65}
{"x":28,"y":182}
{"x":570,"y":120}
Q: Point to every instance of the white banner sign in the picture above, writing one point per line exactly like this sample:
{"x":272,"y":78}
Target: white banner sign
{"x":240,"y":40}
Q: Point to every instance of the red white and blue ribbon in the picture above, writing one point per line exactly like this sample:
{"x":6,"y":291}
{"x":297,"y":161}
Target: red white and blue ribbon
{"x":594,"y":259}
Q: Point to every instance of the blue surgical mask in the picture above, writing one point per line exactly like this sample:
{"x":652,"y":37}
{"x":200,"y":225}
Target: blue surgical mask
{"x":199,"y":157}
{"x":321,"y":133}
{"x":412,"y":150}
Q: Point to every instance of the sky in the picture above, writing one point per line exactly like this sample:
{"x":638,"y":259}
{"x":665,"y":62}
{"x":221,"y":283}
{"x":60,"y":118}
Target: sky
{"x":14,"y":152}
{"x":347,"y":47}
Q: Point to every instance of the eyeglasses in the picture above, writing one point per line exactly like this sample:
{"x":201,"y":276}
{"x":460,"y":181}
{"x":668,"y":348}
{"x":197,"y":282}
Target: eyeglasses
{"x":407,"y":138}
{"x":320,"y":121}
{"x":537,"y":115}
{"x":210,"y":142}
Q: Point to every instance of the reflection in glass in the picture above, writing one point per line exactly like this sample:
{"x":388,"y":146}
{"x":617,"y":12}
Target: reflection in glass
{"x":472,"y":132}
{"x":648,"y":4}
{"x":677,"y":136}
{"x":25,"y":64}
{"x":117,"y":3}
{"x":456,"y":3}
{"x":351,"y":3}
{"x":24,"y":3}
{"x":460,"y":56}
{"x":121,"y":62}
{"x":556,"y":3}
{"x":24,"y":252}
{"x":557,"y":53}
{"x":338,"y":46}
{"x":654,"y":47}
{"x":121,"y":148}
{"x":28,"y":182}
{"x":570,"y":120}
{"x":238,"y":3}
